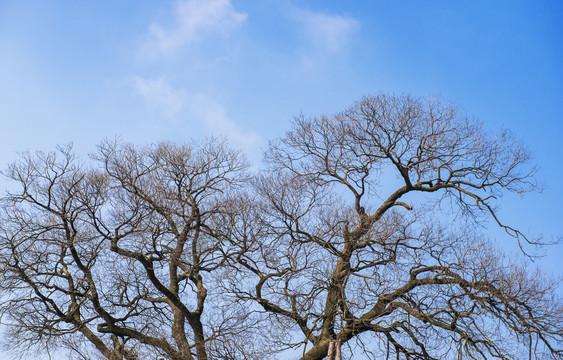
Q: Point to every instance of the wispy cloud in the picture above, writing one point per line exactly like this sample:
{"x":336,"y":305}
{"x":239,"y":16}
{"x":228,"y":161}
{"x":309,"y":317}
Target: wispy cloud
{"x":159,"y":94}
{"x":193,"y":19}
{"x":174,"y":103}
{"x":217,"y":121}
{"x":329,"y":31}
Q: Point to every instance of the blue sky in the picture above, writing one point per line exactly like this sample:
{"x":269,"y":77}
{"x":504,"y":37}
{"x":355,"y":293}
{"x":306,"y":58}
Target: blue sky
{"x":173,"y":70}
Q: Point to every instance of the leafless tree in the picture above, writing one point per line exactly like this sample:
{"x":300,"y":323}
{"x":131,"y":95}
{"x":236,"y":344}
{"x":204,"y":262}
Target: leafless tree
{"x":122,"y":254}
{"x":341,"y":238}
{"x":361,"y":232}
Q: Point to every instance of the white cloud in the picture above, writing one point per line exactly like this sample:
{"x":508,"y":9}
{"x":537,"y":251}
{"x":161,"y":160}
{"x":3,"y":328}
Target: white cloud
{"x":217,"y":121}
{"x":175,"y":103}
{"x":331,"y":32}
{"x":194,"y":18}
{"x":158,"y":93}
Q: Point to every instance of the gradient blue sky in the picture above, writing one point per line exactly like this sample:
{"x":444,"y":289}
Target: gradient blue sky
{"x":172,"y":70}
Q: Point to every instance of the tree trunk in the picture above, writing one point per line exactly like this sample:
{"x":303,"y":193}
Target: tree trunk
{"x":199,"y":339}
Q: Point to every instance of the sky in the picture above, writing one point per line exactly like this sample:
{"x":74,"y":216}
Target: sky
{"x":146,"y":71}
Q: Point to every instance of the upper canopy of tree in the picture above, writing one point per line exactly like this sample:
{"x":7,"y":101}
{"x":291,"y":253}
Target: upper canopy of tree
{"x":178,"y":251}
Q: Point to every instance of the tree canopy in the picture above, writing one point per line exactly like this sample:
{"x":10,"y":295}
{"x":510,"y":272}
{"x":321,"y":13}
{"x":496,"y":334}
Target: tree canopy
{"x":361,"y":228}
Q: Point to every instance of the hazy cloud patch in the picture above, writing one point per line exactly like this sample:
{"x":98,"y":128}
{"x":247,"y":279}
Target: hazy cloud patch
{"x":176,"y":103}
{"x":217,"y":121}
{"x":193,"y":19}
{"x":158,"y":93}
{"x":329,"y":31}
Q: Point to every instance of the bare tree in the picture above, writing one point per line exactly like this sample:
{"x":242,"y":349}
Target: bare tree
{"x":362,"y":232}
{"x":335,"y":249}
{"x":122,"y":254}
